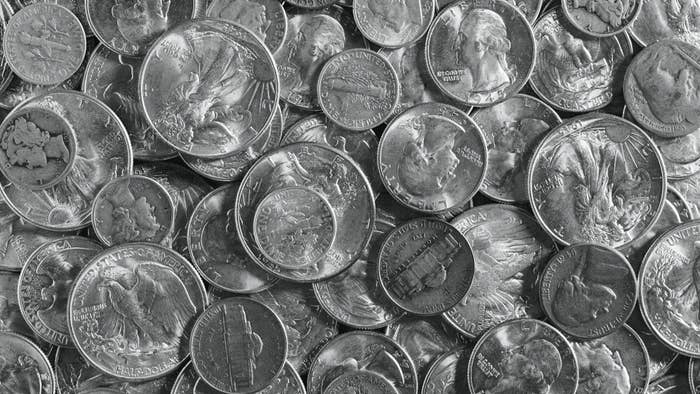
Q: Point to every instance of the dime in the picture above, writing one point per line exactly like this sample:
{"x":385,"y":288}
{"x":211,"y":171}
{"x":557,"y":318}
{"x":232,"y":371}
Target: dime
{"x":658,"y":20}
{"x":44,"y":43}
{"x":215,"y":249}
{"x":328,"y":172}
{"x":11,"y":318}
{"x":480,"y":52}
{"x":361,"y":381}
{"x":575,"y":72}
{"x":26,"y":367}
{"x":362,"y":351}
{"x":393,"y":24}
{"x":665,"y":106}
{"x":129,"y":27}
{"x":660,"y":357}
{"x":77,"y":7}
{"x":510,"y":252}
{"x":694,"y":375}
{"x":131,"y":310}
{"x":307,"y":326}
{"x":597,"y":20}
{"x":209,"y":88}
{"x":445,"y":375}
{"x":426,"y":266}
{"x":312,"y":3}
{"x":669,"y":384}
{"x":254,"y":346}
{"x":510,"y":354}
{"x":266,"y":18}
{"x":103,"y":153}
{"x":113,"y":79}
{"x":432,"y":158}
{"x":45,"y":282}
{"x":512,"y":129}
{"x":597,"y":178}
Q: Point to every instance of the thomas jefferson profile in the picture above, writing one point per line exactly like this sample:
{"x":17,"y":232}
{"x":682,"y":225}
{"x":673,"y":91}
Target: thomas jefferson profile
{"x":397,"y":14}
{"x":529,"y":368}
{"x":141,"y":21}
{"x":248,"y":13}
{"x":600,"y":370}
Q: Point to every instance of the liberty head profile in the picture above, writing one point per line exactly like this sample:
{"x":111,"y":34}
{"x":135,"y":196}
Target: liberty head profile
{"x":529,"y":368}
{"x":397,"y":14}
{"x":601,"y":370}
{"x":141,"y":21}
{"x":247,"y":13}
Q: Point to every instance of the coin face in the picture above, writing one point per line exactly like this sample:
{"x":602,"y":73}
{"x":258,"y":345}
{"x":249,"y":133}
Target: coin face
{"x":27,"y":366}
{"x":312,"y":3}
{"x":426,"y":266}
{"x":510,"y":252}
{"x":660,"y":357}
{"x":689,"y":189}
{"x":575,"y":72}
{"x":512,"y":130}
{"x":432,"y":158}
{"x":363,"y":381}
{"x":131,"y":310}
{"x":393,"y":24}
{"x":480,"y":52}
{"x":12,"y":319}
{"x":254,"y":345}
{"x":266,"y":18}
{"x":657,"y":21}
{"x":445,"y":375}
{"x":288,"y":382}
{"x":694,"y":375}
{"x":44,"y":43}
{"x":670,"y":384}
{"x":508,"y":355}
{"x":597,"y":178}
{"x":362,"y":351}
{"x":597,"y":21}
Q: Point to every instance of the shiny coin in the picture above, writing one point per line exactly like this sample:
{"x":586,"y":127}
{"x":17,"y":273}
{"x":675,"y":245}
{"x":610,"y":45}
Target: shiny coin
{"x":432,"y":158}
{"x":508,"y":356}
{"x":659,"y":20}
{"x":588,"y":290}
{"x":512,"y":130}
{"x":215,"y":249}
{"x":362,"y":381}
{"x":266,"y":18}
{"x":510,"y":252}
{"x":669,"y":384}
{"x":597,"y":20}
{"x":133,"y":208}
{"x":312,"y":3}
{"x":11,"y":318}
{"x":131,"y":310}
{"x":294,"y":227}
{"x":238,"y":346}
{"x":45,"y":283}
{"x":597,"y":178}
{"x":288,"y":382}
{"x":694,"y":375}
{"x":659,"y":88}
{"x":26,"y":368}
{"x":77,"y":7}
{"x":44,"y":43}
{"x":576,"y":72}
{"x":426,"y":266}
{"x":6,"y":74}
{"x":209,"y":88}
{"x":480,"y":52}
{"x":689,"y":189}
{"x":660,"y":357}
{"x":446,"y":375}
{"x":20,"y":90}
{"x":393,"y":24}
{"x":365,"y":351}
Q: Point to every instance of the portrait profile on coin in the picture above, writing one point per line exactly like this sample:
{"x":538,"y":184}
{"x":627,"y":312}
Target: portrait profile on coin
{"x":248,"y":13}
{"x":600,"y":369}
{"x":412,"y":86}
{"x":396,"y":15}
{"x":531,"y":367}
{"x":141,"y":21}
{"x":21,"y":375}
{"x":132,"y":219}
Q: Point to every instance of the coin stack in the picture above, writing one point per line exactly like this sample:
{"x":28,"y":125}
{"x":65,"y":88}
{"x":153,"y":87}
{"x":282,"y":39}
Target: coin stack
{"x":338,"y":196}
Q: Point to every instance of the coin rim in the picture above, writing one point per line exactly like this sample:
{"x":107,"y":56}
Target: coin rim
{"x":366,"y":33}
{"x":41,"y":355}
{"x":625,"y":27}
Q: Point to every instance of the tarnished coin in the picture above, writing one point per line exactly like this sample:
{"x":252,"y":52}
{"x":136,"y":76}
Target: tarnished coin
{"x":215,"y":249}
{"x":446,"y":375}
{"x":45,"y":283}
{"x":362,"y":351}
{"x":660,"y":357}
{"x":308,"y":327}
{"x":266,"y":18}
{"x":480,"y":51}
{"x":426,"y":266}
{"x":660,"y":91}
{"x":361,"y":381}
{"x":129,"y":27}
{"x":37,"y":148}
{"x":597,"y":178}
{"x":662,"y":19}
{"x":328,"y":172}
{"x":113,"y":79}
{"x":238,"y":346}
{"x":44,"y":43}
{"x":669,"y":384}
{"x":131,"y":310}
{"x":103,"y":153}
{"x":694,"y":375}
{"x":601,"y":20}
{"x":393,"y":24}
{"x":510,"y":252}
{"x":588,"y":290}
{"x":575,"y":72}
{"x":512,"y":130}
{"x":432,"y":158}
{"x":11,"y":318}
{"x":209,"y":88}
{"x":294,"y":227}
{"x":288,"y":382}
{"x":668,"y":292}
{"x":26,"y":368}
{"x":523,"y":353}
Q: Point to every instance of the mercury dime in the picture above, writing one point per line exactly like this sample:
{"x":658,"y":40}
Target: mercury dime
{"x":393,"y":24}
{"x":363,"y":351}
{"x":266,"y":18}
{"x":254,"y":346}
{"x":11,"y":318}
{"x":215,"y":249}
{"x":426,"y":266}
{"x":512,"y":129}
{"x":660,"y":19}
{"x":598,"y":20}
{"x":510,"y":252}
{"x":446,"y":373}
{"x":432,"y":158}
{"x":26,"y":367}
{"x":597,"y":178}
{"x":480,"y":52}
{"x":508,"y":356}
{"x":660,"y":357}
{"x":670,"y":384}
{"x":131,"y":310}
{"x":361,"y":381}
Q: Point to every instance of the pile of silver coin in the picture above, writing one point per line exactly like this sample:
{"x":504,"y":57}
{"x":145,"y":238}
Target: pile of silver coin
{"x":330,"y":197}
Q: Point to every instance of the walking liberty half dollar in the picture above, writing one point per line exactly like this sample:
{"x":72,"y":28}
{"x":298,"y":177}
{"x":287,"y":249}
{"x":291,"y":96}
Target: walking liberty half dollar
{"x":597,"y":178}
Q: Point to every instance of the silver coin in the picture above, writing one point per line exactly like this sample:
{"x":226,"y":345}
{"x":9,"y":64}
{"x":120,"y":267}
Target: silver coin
{"x":661,"y":358}
{"x":597,"y":178}
{"x":669,"y":384}
{"x":361,"y":381}
{"x":480,"y":52}
{"x":291,"y":115}
{"x":11,"y":318}
{"x":393,"y":24}
{"x":27,"y":370}
{"x":313,"y":4}
{"x":20,"y":90}
{"x":694,"y":375}
{"x":77,"y":7}
{"x":597,"y":20}
{"x":266,"y":18}
{"x":662,"y":19}
{"x":6,"y":74}
{"x":446,"y":374}
{"x":689,"y":189}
